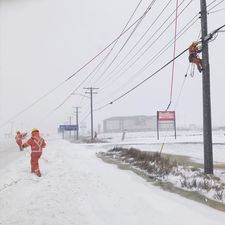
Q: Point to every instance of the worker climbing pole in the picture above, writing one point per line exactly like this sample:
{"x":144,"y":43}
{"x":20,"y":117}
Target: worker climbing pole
{"x":194,"y":50}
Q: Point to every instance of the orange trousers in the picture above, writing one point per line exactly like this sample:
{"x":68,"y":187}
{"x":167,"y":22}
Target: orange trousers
{"x":19,"y":142}
{"x":35,"y":156}
{"x":198,"y":63}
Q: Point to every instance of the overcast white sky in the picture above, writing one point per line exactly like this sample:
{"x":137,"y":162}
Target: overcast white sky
{"x":43,"y":42}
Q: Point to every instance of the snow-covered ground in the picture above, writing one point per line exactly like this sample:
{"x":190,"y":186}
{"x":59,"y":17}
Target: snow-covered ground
{"x":187,"y":143}
{"x":8,"y":152}
{"x":77,"y":188}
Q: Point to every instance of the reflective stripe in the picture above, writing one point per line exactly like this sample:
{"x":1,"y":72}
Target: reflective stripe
{"x":39,"y":144}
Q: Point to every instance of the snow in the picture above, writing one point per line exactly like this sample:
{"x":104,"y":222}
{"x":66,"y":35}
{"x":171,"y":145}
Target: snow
{"x":78,"y":188}
{"x":187,"y":143}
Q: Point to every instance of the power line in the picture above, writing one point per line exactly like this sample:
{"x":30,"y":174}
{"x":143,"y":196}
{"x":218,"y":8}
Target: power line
{"x":60,"y":84}
{"x":133,"y":63}
{"x":135,"y":28}
{"x":206,"y":39}
{"x":216,"y":5}
{"x":105,"y":58}
{"x":125,"y":57}
{"x":140,"y":83}
{"x":219,"y":10}
{"x":65,"y":100}
{"x":163,"y":49}
{"x":98,"y":67}
{"x":174,"y":52}
{"x":158,"y":37}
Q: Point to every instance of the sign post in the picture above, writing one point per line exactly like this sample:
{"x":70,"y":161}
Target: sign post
{"x":166,"y":117}
{"x":63,"y":128}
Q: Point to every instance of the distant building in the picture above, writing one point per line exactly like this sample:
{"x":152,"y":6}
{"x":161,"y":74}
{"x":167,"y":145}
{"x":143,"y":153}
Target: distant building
{"x":129,"y":123}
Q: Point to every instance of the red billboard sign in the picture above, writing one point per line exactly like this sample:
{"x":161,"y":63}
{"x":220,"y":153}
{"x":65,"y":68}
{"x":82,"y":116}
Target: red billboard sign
{"x":166,"y":116}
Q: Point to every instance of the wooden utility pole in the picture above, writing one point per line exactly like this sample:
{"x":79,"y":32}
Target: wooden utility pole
{"x":77,"y":123}
{"x":70,"y":118}
{"x":207,"y":127}
{"x":92,"y":121}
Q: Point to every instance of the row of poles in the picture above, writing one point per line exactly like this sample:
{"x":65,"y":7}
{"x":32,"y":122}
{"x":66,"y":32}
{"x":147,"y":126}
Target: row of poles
{"x":91,"y":92}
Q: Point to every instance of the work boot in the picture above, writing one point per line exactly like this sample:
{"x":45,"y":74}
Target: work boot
{"x":38,"y":173}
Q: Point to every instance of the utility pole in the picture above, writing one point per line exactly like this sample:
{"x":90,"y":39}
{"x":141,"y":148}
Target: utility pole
{"x":70,"y":125}
{"x":207,"y":127}
{"x":77,"y":131}
{"x":91,"y":97}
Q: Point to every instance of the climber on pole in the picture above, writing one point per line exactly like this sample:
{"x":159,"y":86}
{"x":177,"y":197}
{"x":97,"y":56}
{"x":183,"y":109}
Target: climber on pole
{"x":194,"y":49}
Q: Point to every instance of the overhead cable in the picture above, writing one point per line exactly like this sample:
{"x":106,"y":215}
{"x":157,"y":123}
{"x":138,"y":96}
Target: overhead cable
{"x":105,"y":58}
{"x":129,"y":37}
{"x":81,"y":68}
{"x":98,"y":67}
{"x":174,"y":52}
{"x":216,"y":5}
{"x":156,"y":72}
{"x":68,"y":97}
{"x":163,"y":49}
{"x":125,"y":57}
{"x":156,"y":39}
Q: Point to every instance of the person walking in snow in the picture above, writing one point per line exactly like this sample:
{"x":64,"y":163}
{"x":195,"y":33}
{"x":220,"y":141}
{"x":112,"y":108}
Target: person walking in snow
{"x":19,"y":137}
{"x":37,"y":143}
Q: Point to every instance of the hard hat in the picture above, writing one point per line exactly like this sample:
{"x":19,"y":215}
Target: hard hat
{"x":195,"y":42}
{"x":34,"y":130}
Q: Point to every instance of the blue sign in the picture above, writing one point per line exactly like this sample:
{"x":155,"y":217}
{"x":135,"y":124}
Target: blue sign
{"x":68,"y":127}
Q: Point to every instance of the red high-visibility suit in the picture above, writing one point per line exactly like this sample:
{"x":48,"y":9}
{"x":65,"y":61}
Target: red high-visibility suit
{"x":37,"y":143}
{"x":193,"y":56}
{"x":19,"y":137}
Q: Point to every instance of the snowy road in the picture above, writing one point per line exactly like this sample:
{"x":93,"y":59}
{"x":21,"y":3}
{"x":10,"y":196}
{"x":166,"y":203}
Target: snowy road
{"x":77,"y":188}
{"x":8,"y":153}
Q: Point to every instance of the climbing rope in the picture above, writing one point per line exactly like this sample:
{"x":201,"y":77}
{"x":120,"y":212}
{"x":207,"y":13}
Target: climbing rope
{"x":174,"y":52}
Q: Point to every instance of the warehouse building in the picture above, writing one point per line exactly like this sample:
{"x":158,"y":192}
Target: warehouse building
{"x":130,"y":123}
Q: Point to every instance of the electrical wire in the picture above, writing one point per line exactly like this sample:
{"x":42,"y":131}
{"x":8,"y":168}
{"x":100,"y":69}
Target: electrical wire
{"x":163,"y":49}
{"x":140,"y":83}
{"x":136,"y":44}
{"x":174,"y":52}
{"x":216,"y":5}
{"x":129,"y":37}
{"x":156,"y":39}
{"x":81,"y":83}
{"x":219,"y":10}
{"x":211,"y":3}
{"x":105,"y":58}
{"x":146,"y":79}
{"x":52,"y":90}
{"x":120,"y":72}
{"x":70,"y":77}
{"x":98,"y":67}
{"x":133,"y":63}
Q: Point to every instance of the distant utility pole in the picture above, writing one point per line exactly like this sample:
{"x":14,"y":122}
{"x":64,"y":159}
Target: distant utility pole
{"x":207,"y":127}
{"x":70,"y":118}
{"x":91,"y":97}
{"x":77,"y":123}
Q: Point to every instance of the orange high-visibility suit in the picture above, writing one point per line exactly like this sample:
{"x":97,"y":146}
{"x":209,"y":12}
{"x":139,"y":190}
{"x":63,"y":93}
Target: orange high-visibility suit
{"x":37,"y":143}
{"x":19,"y":137}
{"x":193,"y":55}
